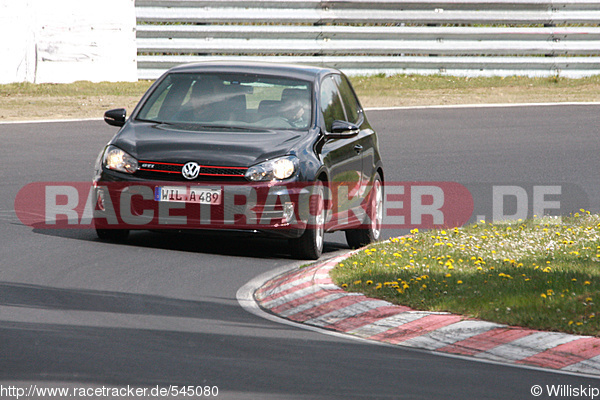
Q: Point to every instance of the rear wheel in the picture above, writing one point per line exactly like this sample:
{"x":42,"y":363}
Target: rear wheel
{"x":309,"y":246}
{"x":361,"y":237}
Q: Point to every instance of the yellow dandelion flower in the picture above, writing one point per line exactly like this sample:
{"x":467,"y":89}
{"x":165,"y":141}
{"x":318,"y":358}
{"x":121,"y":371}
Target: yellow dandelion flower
{"x":459,"y":282}
{"x":586,"y":283}
{"x":543,"y":295}
{"x":369,"y":282}
{"x":344,"y":285}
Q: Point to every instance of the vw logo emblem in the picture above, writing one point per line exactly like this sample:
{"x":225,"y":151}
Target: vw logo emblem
{"x":190,"y":170}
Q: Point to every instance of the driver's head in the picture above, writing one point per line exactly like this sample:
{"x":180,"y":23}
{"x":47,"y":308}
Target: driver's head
{"x":204,"y":90}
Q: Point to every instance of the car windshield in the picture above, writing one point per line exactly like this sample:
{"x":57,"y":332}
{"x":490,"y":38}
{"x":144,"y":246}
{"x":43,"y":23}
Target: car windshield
{"x":230,"y":100}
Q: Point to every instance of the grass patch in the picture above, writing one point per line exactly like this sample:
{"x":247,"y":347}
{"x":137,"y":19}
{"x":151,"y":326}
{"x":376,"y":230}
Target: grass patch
{"x":417,"y":90}
{"x":81,"y":88}
{"x":28,"y":101}
{"x":22,"y":101}
{"x":541,"y":274}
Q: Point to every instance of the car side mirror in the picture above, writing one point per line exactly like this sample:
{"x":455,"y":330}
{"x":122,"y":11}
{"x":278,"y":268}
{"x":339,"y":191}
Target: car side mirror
{"x":115,"y":117}
{"x":343,"y":129}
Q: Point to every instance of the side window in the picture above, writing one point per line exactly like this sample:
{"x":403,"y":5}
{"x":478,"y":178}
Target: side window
{"x":350,"y":102}
{"x":331,"y":104}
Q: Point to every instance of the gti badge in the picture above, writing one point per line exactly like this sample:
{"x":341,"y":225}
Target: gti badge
{"x":190,"y":170}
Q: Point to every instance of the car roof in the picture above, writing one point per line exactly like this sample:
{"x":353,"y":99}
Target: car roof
{"x":305,"y":72}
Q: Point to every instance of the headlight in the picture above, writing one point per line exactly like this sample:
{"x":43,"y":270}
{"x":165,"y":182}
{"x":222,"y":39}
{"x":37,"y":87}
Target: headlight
{"x":277,"y":169}
{"x":116,"y":159}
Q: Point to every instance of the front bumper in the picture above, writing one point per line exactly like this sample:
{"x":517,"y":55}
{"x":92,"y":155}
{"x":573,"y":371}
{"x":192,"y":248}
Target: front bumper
{"x":274,"y":209}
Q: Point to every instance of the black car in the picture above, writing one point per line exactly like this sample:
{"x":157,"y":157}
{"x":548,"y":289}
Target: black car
{"x":282,"y":150}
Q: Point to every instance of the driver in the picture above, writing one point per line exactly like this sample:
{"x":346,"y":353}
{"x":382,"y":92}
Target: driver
{"x":295,"y":111}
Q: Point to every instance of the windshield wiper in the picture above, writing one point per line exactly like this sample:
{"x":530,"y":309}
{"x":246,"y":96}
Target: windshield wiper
{"x":188,"y":125}
{"x":220,"y":127}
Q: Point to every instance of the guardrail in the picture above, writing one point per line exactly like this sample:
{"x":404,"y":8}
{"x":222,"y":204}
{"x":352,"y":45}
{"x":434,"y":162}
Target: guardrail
{"x":454,"y":37}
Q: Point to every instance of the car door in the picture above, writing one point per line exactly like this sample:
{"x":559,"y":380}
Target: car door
{"x":366,"y":140}
{"x":341,"y":156}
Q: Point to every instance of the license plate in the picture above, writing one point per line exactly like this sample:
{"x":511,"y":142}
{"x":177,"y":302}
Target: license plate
{"x":182,"y":194}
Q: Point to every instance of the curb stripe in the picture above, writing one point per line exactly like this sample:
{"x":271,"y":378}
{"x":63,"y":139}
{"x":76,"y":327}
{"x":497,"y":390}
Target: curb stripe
{"x":321,"y":299}
{"x":283,"y":280}
{"x":591,"y":366}
{"x":288,"y":294}
{"x":292,"y":297}
{"x":566,"y":354}
{"x":528,"y":346}
{"x":309,"y":296}
{"x":288,"y":277}
{"x":291,"y":283}
{"x":326,"y":307}
{"x":384,"y":325}
{"x":486,"y":341}
{"x":416,"y":328}
{"x":343,"y":313}
{"x":450,"y":334}
{"x":305,"y":299}
{"x":366,"y":318}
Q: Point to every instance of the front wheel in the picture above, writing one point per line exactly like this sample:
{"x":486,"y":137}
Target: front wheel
{"x":361,"y":237}
{"x":309,"y":246}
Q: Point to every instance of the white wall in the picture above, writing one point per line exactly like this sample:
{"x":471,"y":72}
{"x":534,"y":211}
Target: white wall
{"x":61,"y":41}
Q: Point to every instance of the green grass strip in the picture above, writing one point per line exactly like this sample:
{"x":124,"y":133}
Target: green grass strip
{"x":541,"y":274}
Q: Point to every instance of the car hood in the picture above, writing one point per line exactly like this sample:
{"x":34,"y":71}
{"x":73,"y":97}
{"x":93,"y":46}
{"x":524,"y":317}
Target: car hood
{"x":179,"y":144}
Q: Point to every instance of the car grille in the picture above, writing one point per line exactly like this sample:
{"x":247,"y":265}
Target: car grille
{"x":172,"y":172}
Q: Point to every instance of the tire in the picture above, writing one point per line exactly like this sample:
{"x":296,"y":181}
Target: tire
{"x":357,"y":238}
{"x":113,"y":235}
{"x":309,"y":246}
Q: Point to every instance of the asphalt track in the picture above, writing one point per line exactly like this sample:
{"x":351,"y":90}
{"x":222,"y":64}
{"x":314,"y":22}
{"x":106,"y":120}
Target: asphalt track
{"x":162,"y":309}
